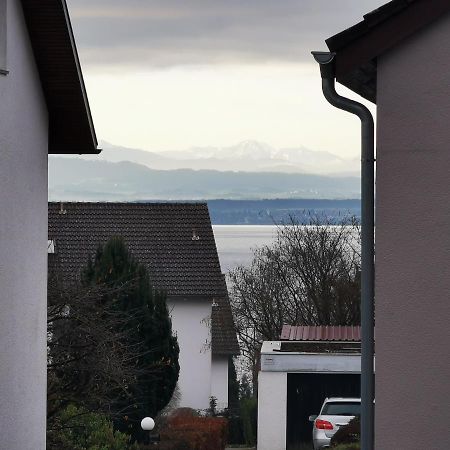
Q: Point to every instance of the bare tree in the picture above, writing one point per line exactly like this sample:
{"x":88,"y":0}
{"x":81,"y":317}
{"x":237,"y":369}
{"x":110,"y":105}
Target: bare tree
{"x":310,"y":275}
{"x":88,"y":356}
{"x":110,"y":342}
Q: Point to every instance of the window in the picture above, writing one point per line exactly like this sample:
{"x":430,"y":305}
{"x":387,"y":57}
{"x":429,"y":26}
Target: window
{"x":3,"y":70}
{"x":341,"y":409}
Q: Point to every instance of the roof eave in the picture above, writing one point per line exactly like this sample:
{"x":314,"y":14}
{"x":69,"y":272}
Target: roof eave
{"x":73,"y":151}
{"x":358,"y":47}
{"x":94,"y":150}
{"x":71,"y":128}
{"x":227,"y":352}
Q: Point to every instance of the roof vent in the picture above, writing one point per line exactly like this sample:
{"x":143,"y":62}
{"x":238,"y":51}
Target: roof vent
{"x":195,"y":236}
{"x":50,"y":246}
{"x":62,"y":211}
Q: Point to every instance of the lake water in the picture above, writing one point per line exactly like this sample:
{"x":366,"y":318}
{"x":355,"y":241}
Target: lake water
{"x":235,"y":242}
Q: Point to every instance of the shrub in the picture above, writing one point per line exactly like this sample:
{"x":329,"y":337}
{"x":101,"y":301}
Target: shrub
{"x":184,"y":431}
{"x":79,"y":429}
{"x":235,"y":430}
{"x":349,"y":434}
{"x":354,"y":446}
{"x":249,"y":414}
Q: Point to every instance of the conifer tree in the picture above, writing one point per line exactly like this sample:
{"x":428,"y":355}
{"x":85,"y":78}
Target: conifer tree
{"x":149,"y":330}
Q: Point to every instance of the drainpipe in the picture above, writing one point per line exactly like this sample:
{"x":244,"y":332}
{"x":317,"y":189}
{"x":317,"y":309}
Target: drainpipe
{"x":326,"y":61}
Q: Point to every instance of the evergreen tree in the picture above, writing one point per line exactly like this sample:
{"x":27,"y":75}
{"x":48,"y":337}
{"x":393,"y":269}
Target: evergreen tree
{"x":233,"y":388}
{"x":149,"y":330}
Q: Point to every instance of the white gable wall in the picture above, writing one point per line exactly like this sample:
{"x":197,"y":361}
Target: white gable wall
{"x":23,"y":244}
{"x":219,"y":381}
{"x":191,"y":321}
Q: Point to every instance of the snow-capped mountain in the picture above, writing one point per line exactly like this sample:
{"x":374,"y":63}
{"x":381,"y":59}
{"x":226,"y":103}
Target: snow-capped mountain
{"x":246,"y":156}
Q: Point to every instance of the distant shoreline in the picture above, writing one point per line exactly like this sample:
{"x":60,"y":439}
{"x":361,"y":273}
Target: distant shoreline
{"x":276,"y":211}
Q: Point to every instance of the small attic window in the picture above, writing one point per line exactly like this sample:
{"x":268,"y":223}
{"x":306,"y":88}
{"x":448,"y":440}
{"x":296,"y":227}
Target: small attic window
{"x":51,"y":246}
{"x":3,"y":70}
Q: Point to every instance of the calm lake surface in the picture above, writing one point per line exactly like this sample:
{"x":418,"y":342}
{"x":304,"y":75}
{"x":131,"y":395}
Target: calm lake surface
{"x":235,"y":242}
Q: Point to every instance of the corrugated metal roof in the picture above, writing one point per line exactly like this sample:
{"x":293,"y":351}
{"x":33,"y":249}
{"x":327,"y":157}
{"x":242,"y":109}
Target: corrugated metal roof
{"x":321,"y":333}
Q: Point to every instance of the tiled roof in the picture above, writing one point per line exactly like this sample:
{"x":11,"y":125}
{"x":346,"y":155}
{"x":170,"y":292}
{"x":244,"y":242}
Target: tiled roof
{"x":324,"y":333}
{"x":223,"y":342}
{"x":174,"y":240}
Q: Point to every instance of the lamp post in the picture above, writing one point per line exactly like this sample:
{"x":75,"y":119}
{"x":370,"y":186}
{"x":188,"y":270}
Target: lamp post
{"x":147,"y":424}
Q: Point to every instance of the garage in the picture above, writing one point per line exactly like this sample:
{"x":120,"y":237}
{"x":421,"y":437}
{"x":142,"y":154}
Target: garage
{"x":297,"y":373}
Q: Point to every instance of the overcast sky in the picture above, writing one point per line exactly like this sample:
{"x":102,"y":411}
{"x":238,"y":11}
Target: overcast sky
{"x":168,"y":75}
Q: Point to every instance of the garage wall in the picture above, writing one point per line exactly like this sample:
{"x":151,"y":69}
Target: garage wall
{"x":272,"y":409}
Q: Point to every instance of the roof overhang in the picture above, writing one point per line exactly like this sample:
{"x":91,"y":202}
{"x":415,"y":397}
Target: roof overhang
{"x":71,"y":129}
{"x":358,"y":47}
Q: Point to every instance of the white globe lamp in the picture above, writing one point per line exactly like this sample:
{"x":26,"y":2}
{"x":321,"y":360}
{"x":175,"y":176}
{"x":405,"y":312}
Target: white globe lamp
{"x":147,"y":424}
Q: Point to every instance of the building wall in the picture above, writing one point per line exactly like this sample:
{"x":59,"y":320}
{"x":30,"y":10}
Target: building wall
{"x":219,"y":380}
{"x":413,"y":242}
{"x":23,"y":241}
{"x":191,"y":322}
{"x":272,"y":410}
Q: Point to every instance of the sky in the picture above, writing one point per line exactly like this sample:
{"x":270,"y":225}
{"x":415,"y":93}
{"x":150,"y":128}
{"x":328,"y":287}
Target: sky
{"x":174,"y":74}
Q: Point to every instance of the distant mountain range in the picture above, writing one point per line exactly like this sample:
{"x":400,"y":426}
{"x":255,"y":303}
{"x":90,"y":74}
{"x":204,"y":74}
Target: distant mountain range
{"x":80,"y":179}
{"x":248,"y":170}
{"x":247,"y":156}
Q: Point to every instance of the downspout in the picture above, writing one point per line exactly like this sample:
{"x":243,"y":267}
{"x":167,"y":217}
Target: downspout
{"x":327,"y":70}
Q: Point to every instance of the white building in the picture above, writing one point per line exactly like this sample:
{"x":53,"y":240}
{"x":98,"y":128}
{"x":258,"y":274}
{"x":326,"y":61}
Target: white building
{"x":176,"y":243}
{"x":43,"y":109}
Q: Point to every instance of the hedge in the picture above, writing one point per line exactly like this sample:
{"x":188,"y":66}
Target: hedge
{"x":188,"y":432}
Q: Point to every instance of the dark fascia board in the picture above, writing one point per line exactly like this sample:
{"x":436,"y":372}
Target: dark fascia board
{"x":202,"y":297}
{"x":358,"y":47}
{"x":71,"y":128}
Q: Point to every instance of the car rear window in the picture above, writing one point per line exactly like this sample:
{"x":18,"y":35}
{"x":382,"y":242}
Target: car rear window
{"x":342,"y":409}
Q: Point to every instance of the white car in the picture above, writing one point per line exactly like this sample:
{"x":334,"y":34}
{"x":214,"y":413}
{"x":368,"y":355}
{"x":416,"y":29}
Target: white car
{"x":335,"y":413}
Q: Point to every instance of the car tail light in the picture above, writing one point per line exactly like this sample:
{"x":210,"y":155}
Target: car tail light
{"x":323,"y":425}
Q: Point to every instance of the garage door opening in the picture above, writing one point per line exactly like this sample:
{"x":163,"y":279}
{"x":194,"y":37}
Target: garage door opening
{"x":305,"y":395}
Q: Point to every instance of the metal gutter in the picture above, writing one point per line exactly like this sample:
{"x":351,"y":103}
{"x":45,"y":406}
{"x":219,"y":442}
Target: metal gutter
{"x":326,"y":61}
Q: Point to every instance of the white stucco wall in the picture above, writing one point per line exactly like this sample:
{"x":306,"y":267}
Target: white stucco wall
{"x":413,"y":242}
{"x":191,"y":323}
{"x":272,"y":410}
{"x":219,"y":381}
{"x":23,"y":244}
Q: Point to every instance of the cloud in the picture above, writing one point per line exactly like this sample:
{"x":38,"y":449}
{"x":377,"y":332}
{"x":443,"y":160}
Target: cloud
{"x":164,"y":33}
